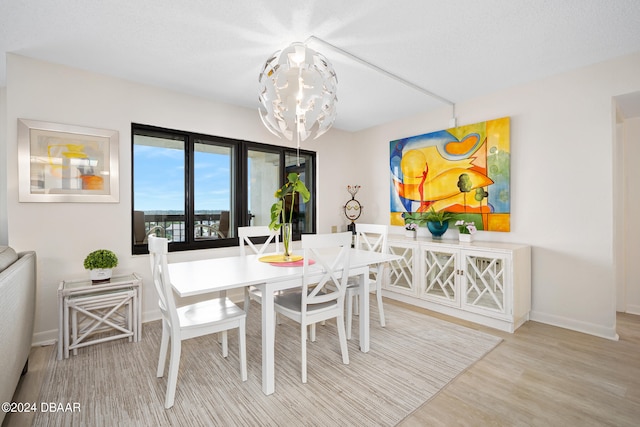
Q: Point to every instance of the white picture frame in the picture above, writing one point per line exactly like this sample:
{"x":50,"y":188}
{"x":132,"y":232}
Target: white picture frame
{"x":67,"y":163}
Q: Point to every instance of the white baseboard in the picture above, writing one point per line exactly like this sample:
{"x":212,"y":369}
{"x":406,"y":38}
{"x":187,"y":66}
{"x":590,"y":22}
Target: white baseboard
{"x":575,"y":325}
{"x":633,"y":309}
{"x":44,"y":338}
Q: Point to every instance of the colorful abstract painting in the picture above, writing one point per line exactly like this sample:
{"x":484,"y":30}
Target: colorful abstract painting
{"x":464,"y":170}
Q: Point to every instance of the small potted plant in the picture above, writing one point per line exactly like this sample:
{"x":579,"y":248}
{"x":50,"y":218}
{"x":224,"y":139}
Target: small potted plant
{"x":467,"y":230}
{"x":100,"y":264}
{"x":411,"y":229}
{"x":438,"y":222}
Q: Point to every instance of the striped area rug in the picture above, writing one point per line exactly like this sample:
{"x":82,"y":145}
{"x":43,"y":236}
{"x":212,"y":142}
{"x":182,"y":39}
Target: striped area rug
{"x":411,"y":359}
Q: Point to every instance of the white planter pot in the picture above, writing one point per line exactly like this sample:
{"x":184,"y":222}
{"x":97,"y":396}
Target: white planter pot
{"x":100,"y":274}
{"x":465,"y":237}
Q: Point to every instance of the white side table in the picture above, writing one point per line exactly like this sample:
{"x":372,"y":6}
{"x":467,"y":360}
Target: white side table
{"x":116,"y":304}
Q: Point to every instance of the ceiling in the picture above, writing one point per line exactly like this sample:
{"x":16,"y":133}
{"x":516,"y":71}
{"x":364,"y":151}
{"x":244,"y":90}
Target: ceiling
{"x":215,"y":49}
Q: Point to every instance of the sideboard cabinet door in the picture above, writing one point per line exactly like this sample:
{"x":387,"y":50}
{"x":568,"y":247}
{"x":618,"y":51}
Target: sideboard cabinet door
{"x":401,"y":272}
{"x":486,"y":283}
{"x":440,"y":275}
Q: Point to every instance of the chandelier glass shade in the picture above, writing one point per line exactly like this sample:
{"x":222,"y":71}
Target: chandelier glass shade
{"x":297,"y":93}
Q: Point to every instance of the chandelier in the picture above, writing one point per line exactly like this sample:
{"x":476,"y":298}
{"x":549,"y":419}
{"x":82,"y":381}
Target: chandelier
{"x":297,"y":93}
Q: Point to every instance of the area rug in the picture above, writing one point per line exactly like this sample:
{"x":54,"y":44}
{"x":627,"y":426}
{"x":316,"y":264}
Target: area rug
{"x":410,"y":360}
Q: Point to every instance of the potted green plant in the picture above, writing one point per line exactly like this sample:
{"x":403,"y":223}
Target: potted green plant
{"x":100,"y":264}
{"x":279,"y":214}
{"x":466,"y":229}
{"x":438,"y":222}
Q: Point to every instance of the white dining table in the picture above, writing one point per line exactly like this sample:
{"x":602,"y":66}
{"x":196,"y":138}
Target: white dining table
{"x":190,"y":278}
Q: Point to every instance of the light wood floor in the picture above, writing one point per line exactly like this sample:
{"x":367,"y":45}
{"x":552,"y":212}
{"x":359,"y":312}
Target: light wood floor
{"x":539,"y":376}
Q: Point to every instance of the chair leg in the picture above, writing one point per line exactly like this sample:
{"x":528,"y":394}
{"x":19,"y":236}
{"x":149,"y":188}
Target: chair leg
{"x":343,"y":340}
{"x":225,"y":343}
{"x":164,"y":346}
{"x":356,"y":307}
{"x":247,"y":301}
{"x":242,"y":340}
{"x":349,"y":302}
{"x":303,"y":339}
{"x":312,"y":333}
{"x":380,"y":308}
{"x":174,"y":365}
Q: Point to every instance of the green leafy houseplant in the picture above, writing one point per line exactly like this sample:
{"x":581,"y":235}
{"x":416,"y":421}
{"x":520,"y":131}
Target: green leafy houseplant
{"x":279,"y":214}
{"x":102,"y":258}
{"x":439,"y":216}
{"x":466,"y":227}
{"x":422,"y":218}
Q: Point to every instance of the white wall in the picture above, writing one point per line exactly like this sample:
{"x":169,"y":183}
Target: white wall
{"x":4,"y":236}
{"x":561,"y":184}
{"x":631,"y":141}
{"x":561,"y":180}
{"x":62,"y":234}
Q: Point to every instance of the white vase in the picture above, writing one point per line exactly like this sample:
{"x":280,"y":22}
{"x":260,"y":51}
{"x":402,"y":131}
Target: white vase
{"x":99,"y":275}
{"x":410,"y":233}
{"x":465,"y":237}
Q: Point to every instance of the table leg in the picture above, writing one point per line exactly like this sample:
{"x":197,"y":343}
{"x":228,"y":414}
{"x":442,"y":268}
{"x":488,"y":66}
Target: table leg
{"x":268,"y":340}
{"x":364,"y":311}
{"x":139,"y":314}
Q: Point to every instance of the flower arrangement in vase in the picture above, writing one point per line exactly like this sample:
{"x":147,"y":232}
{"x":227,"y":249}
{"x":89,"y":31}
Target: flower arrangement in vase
{"x":279,"y":214}
{"x":411,"y":229}
{"x":467,"y":230}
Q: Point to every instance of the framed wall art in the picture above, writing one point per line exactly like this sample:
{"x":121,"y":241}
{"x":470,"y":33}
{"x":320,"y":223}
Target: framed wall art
{"x":66,"y":163}
{"x":463,"y":170}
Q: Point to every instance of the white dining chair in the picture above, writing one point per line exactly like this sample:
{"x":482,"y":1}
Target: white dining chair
{"x":319,"y":298}
{"x":190,"y":321}
{"x":369,"y":237}
{"x":245,"y":235}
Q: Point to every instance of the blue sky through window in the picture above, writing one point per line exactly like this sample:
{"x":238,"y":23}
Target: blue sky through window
{"x":159,"y":180}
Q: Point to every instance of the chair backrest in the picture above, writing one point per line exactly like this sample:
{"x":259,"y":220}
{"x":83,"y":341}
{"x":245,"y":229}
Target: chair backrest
{"x":223,"y":225}
{"x":331,"y":252}
{"x":138,"y":227}
{"x":245,"y":234}
{"x":372,"y":237}
{"x":158,"y":249}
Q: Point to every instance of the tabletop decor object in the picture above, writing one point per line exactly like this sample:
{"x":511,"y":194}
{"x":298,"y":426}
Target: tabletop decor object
{"x":411,"y":229}
{"x":279,"y":259}
{"x":438,"y":222}
{"x":100,"y":264}
{"x":280,"y":218}
{"x":467,"y":230}
{"x":353,"y":208}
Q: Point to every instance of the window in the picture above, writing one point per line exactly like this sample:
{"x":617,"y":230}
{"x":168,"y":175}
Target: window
{"x":197,"y":189}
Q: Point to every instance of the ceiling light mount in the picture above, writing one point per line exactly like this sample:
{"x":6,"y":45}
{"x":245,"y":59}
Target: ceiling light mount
{"x":388,"y":74}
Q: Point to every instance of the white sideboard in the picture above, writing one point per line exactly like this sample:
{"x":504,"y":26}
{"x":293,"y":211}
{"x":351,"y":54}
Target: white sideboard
{"x":483,"y":282}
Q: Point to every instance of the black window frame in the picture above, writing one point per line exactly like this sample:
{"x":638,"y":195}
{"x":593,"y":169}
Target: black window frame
{"x":240,"y":208}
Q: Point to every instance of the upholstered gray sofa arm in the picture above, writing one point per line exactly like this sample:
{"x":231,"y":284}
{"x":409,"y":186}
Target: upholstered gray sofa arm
{"x":17,"y":310}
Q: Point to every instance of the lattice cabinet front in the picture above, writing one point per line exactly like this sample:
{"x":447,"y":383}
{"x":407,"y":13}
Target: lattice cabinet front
{"x":484,"y":282}
{"x":440,"y":276}
{"x":401,"y":272}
